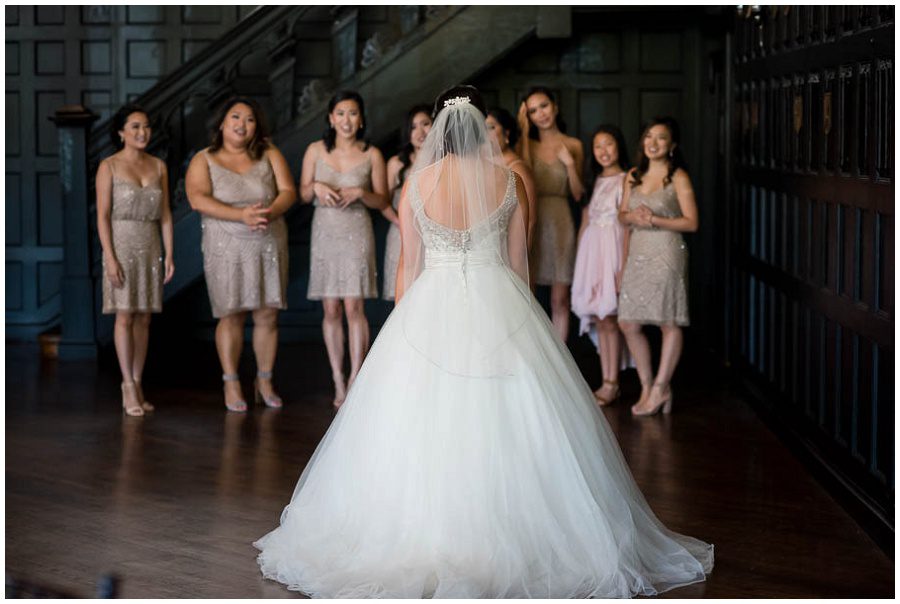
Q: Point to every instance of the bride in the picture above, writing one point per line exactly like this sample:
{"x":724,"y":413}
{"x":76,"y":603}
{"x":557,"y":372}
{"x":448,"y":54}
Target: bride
{"x":469,"y":459}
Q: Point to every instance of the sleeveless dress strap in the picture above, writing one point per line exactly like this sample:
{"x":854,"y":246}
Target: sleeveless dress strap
{"x":112,"y":166}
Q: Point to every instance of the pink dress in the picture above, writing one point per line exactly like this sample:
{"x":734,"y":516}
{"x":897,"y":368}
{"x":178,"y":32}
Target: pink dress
{"x":599,"y":254}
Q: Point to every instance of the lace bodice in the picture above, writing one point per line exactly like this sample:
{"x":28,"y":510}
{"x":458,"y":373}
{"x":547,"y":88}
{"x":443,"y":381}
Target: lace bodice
{"x":440,"y":238}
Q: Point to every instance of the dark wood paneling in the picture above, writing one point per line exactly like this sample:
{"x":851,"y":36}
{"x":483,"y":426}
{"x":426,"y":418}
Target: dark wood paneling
{"x":49,"y":275}
{"x":96,"y":57}
{"x":600,"y":52}
{"x":149,"y":15}
{"x":46,"y":103}
{"x":49,"y":15}
{"x":49,"y":209}
{"x":819,"y":236}
{"x":13,"y":215}
{"x":13,"y":124}
{"x":12,"y":58}
{"x":201,"y":15}
{"x":14,"y":286}
{"x":49,"y":58}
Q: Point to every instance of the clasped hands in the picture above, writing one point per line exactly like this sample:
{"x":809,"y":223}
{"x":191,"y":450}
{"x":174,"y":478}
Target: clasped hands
{"x":642,"y":216}
{"x":337,"y":198}
{"x":256,"y":216}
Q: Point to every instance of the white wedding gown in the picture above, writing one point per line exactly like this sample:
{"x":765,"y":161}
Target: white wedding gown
{"x":490,"y":473}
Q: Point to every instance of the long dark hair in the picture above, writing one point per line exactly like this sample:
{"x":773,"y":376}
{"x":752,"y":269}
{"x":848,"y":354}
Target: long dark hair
{"x":676,"y":158}
{"x":260,"y":141}
{"x":560,"y":124}
{"x":330,"y":133}
{"x":507,"y":122}
{"x":118,"y":122}
{"x":474,"y":97}
{"x":407,"y":149}
{"x":613,"y":131}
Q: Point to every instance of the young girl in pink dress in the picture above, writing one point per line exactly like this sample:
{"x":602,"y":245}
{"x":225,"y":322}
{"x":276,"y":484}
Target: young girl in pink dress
{"x":602,"y":247}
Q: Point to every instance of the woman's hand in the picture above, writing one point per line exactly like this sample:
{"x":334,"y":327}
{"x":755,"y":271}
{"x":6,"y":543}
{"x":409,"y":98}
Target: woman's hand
{"x":327,"y":196}
{"x":565,"y":156}
{"x":255,"y":216}
{"x":169,"y":265}
{"x":114,"y":272}
{"x":641,"y":216}
{"x":522,"y":118}
{"x":348,"y":195}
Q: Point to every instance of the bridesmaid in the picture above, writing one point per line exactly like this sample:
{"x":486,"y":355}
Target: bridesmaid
{"x":242,"y":186}
{"x":344,"y":176}
{"x":556,"y":161}
{"x":415,"y":129}
{"x":658,"y":205}
{"x":132,"y":204}
{"x":506,"y":131}
{"x":602,"y":247}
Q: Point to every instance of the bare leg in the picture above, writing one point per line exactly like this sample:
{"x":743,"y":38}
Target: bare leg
{"x":358,"y":326}
{"x":608,"y":338}
{"x":672,"y":341}
{"x":124,"y":341}
{"x":333,"y":332}
{"x":140,"y":338}
{"x":265,"y":347}
{"x":640,"y":350}
{"x":559,"y":309}
{"x":229,"y":343}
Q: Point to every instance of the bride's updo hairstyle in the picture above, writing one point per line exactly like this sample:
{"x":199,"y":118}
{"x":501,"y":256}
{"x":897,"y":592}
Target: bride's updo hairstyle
{"x":473,"y":134}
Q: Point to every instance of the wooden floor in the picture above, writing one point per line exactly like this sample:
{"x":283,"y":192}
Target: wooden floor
{"x":172,"y":502}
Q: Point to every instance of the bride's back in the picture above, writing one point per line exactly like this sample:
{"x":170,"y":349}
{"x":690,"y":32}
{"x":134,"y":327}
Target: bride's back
{"x":460,"y":193}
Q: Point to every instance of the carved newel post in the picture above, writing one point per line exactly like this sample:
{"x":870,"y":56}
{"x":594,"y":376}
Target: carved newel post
{"x":78,"y":334}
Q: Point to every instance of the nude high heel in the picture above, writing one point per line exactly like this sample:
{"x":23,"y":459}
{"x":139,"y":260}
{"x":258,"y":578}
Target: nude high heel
{"x":603,"y":402}
{"x":273,"y":401}
{"x":145,"y":405}
{"x":664,"y":403}
{"x":130,"y":403}
{"x":239,"y":406}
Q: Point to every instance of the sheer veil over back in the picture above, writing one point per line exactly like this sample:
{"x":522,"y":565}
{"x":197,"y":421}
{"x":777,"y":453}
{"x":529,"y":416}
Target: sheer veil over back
{"x":457,"y":209}
{"x":469,"y":459}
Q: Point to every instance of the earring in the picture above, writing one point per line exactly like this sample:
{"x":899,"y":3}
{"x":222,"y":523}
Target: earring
{"x":672,"y":153}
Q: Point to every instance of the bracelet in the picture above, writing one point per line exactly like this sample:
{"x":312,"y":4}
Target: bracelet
{"x":652,"y":226}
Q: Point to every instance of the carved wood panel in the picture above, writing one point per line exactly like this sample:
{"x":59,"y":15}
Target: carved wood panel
{"x":812,"y":231}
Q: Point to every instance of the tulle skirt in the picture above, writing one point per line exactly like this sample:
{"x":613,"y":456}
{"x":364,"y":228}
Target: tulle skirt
{"x":468,"y":461}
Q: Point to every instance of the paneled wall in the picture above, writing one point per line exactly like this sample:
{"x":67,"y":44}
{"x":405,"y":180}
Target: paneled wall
{"x":812,"y":232}
{"x":99,"y":56}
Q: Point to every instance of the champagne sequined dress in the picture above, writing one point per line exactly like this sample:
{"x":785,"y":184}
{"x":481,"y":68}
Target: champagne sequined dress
{"x":392,"y":254}
{"x":244,"y":269}
{"x":654,"y":282}
{"x":342,"y":248}
{"x":553,"y":254}
{"x":136,"y":243}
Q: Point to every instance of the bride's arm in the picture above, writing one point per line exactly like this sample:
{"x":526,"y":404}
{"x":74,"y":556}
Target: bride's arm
{"x":518,"y":234}
{"x":409,"y":245}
